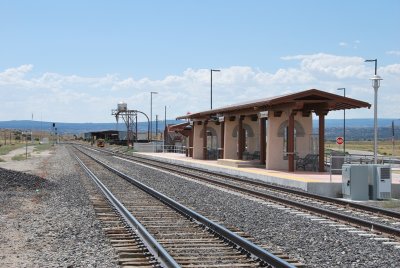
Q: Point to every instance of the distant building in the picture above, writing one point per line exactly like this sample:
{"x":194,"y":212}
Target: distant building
{"x":113,"y":136}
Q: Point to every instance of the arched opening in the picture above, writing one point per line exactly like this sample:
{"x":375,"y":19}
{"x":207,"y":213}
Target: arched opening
{"x":250,"y":142}
{"x":212,"y":143}
{"x":283,"y":131}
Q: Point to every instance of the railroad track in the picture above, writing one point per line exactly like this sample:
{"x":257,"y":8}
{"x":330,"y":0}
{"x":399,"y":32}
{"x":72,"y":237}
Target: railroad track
{"x":174,"y":235}
{"x":376,"y":220}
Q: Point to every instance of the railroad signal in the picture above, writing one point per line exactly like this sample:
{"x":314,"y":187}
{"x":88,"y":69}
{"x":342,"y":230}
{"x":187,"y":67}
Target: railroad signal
{"x":339,"y":140}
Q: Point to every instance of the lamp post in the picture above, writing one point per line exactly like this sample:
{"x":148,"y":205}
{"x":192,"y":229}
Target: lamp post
{"x":376,"y":79}
{"x":156,"y":126}
{"x":165,"y":117}
{"x":344,"y":122}
{"x":151,"y":114}
{"x":212,"y":70}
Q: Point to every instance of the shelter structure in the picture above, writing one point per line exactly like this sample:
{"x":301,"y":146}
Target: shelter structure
{"x":274,"y":131}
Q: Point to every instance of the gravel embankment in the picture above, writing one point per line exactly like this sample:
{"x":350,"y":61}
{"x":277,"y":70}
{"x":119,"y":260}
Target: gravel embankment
{"x":317,"y":245}
{"x":50,"y":222}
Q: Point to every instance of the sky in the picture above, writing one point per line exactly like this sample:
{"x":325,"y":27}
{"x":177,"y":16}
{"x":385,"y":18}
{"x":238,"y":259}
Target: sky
{"x":74,"y":61}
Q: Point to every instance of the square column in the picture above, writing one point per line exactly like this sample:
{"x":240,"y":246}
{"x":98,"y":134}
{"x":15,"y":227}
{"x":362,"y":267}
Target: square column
{"x":321,"y":133}
{"x":240,"y":138}
{"x":290,"y":150}
{"x":205,"y":140}
{"x":263,"y":144}
{"x":222,"y":141}
{"x":191,"y":137}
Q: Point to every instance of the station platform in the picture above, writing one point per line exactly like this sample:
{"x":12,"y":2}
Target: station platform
{"x":321,"y":183}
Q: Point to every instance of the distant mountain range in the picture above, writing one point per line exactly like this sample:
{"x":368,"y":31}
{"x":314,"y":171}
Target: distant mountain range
{"x":77,"y":128}
{"x":356,"y":129}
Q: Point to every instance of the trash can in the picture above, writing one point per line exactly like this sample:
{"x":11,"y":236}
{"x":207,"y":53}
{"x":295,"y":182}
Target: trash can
{"x":337,"y":160}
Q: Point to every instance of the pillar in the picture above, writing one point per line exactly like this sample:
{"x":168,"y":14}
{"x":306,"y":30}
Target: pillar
{"x":205,"y":140}
{"x":191,"y":137}
{"x":290,"y":150}
{"x":222,"y":141}
{"x":262,"y":123}
{"x":240,"y":138}
{"x":321,"y":133}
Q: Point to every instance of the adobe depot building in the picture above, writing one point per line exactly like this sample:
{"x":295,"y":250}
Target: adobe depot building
{"x":273,"y":132}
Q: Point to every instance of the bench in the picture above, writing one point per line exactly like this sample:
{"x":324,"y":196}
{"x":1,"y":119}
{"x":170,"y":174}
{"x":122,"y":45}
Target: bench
{"x":251,"y":156}
{"x":309,"y":160}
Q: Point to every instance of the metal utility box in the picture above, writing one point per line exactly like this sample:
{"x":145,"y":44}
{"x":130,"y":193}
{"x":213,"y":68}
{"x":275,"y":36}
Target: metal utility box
{"x":380,"y":182}
{"x":355,"y":182}
{"x":337,"y":162}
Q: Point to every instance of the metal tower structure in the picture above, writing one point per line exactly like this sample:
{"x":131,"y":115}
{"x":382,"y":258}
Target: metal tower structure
{"x":130,"y":119}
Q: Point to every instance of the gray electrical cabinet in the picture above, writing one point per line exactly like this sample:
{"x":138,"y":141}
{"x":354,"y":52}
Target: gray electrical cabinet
{"x":355,"y":182}
{"x":380,"y":182}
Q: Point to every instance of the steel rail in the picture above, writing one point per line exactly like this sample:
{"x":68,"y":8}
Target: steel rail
{"x":358,"y":221}
{"x":254,"y":250}
{"x":149,"y":241}
{"x":385,"y":212}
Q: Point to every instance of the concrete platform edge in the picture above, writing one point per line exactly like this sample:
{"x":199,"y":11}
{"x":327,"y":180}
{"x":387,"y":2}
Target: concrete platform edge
{"x":320,"y":188}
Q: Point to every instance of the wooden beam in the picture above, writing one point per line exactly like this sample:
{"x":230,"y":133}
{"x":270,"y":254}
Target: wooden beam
{"x":290,"y":150}
{"x":254,"y":117}
{"x":263,"y":144}
{"x":191,"y":136}
{"x":321,"y":133}
{"x":298,"y":105}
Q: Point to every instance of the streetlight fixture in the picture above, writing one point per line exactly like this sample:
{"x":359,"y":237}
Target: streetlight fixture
{"x":151,"y":114}
{"x":344,"y":122}
{"x":376,"y":80}
{"x":212,"y":70}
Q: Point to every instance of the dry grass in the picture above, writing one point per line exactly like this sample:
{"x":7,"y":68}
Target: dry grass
{"x":20,"y":157}
{"x":42,"y":147}
{"x":384,"y":147}
{"x":5,"y":149}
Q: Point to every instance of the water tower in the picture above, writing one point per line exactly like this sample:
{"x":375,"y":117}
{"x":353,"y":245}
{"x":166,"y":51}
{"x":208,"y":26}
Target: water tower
{"x":130,"y":119}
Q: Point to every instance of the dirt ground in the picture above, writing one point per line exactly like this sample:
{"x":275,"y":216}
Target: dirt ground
{"x":14,"y":239}
{"x":32,"y":165}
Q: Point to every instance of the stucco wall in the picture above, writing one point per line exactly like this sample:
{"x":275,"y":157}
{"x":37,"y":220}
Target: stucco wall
{"x":217,"y":131}
{"x":230,"y":151}
{"x":275,"y":156}
{"x":231,"y":137}
{"x":253,"y":143}
{"x":198,"y":141}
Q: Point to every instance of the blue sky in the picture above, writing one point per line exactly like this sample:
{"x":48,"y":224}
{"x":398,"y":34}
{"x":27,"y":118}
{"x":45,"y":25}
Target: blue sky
{"x":73,"y":61}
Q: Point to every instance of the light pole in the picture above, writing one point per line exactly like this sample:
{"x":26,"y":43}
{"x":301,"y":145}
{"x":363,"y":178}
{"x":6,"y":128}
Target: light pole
{"x":156,"y":126}
{"x":165,"y":117}
{"x":344,"y":122}
{"x":151,"y":114}
{"x":212,"y":70}
{"x":376,"y":79}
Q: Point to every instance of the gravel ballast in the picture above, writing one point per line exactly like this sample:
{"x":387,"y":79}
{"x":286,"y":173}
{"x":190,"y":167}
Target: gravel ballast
{"x":50,"y":222}
{"x":316,"y":244}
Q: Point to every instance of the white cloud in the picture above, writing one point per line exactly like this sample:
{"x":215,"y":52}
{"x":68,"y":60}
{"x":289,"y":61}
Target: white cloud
{"x":393,"y":52}
{"x":77,"y":98}
{"x":330,"y":65}
{"x":15,"y":75}
{"x":354,"y":44}
{"x":393,"y":69}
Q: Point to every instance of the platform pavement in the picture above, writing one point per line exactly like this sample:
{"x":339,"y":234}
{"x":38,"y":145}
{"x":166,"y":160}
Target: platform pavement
{"x":313,"y":182}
